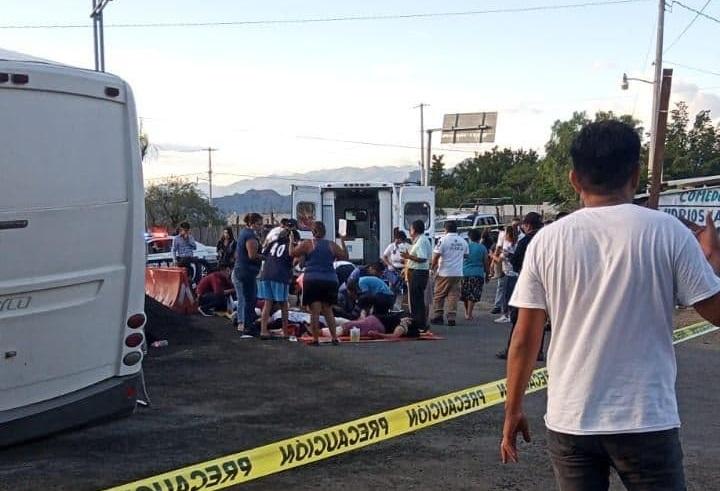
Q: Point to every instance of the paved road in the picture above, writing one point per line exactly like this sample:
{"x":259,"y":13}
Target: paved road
{"x":213,"y":394}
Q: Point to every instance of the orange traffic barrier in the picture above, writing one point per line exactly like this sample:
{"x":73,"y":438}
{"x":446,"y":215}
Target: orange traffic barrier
{"x":170,"y":287}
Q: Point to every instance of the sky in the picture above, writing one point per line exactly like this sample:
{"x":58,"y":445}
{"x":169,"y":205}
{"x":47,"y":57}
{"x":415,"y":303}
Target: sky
{"x":276,"y":98}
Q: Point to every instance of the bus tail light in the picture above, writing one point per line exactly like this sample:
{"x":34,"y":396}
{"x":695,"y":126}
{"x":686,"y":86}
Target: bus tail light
{"x":134,"y":340}
{"x":135,"y":321}
{"x":132,"y":358}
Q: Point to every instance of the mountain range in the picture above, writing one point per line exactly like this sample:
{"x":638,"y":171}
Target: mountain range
{"x":282,"y":184}
{"x":258,"y":200}
{"x":272,"y":193}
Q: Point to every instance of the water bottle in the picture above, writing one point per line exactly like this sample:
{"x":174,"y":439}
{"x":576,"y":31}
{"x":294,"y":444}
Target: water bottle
{"x":355,"y":335}
{"x":159,"y":344}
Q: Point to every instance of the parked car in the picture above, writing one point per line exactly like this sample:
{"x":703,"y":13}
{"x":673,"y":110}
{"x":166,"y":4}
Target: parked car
{"x":467,"y":221}
{"x":159,"y":253}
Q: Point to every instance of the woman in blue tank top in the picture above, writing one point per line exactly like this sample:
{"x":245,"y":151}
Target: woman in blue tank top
{"x":320,"y":283}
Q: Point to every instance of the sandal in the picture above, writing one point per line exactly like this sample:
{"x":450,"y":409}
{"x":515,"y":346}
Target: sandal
{"x":335,"y":342}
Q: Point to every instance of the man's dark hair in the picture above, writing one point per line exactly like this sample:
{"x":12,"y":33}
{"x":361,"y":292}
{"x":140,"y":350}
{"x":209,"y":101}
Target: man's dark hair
{"x":284,"y":222}
{"x":474,"y":235}
{"x":378,"y":266}
{"x":605,"y":155}
{"x":451,"y":226}
{"x":533,"y":220}
{"x":184,"y":226}
{"x":418,"y":226}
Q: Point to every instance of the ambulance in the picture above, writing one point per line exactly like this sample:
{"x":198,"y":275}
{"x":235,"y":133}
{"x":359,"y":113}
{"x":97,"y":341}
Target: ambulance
{"x":369,"y":211}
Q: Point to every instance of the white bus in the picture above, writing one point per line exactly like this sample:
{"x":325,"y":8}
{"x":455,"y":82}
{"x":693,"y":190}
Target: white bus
{"x":372,"y":211}
{"x":71,"y":248}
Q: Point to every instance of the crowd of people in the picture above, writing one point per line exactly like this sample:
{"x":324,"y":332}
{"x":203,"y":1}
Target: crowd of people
{"x":413,"y":285}
{"x":414,"y":282}
{"x":610,"y":296}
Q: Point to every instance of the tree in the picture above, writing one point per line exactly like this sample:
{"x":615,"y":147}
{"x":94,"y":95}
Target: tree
{"x":691,"y":151}
{"x":171,"y":202}
{"x":498,"y":172}
{"x":437,"y":171}
{"x":557,"y":162}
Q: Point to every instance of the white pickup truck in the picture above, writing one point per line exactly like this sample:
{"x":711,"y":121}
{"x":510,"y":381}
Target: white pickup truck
{"x":467,"y":221}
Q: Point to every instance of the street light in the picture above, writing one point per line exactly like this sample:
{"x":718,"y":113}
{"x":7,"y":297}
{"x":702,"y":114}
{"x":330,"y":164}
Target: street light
{"x":99,"y":33}
{"x":625,"y":85}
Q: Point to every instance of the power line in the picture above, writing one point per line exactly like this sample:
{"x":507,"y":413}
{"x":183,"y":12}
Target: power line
{"x":378,"y":144}
{"x":172,"y":176}
{"x":701,"y":70}
{"x":234,"y":174}
{"x":687,"y":27}
{"x":282,"y":178}
{"x":699,"y":13}
{"x":315,"y":20}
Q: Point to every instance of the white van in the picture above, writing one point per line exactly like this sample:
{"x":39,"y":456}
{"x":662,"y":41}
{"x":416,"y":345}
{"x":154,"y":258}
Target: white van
{"x":372,"y":211}
{"x":71,"y":247}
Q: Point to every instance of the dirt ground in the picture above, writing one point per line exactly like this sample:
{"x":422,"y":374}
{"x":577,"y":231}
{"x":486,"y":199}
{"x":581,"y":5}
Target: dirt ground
{"x":213,"y":393}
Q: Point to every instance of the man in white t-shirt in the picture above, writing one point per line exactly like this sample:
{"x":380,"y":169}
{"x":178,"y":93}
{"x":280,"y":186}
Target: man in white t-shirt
{"x":609,"y":276}
{"x":447,"y":262}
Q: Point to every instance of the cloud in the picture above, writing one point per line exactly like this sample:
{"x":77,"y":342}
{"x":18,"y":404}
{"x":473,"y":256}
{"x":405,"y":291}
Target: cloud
{"x":177,"y":147}
{"x":604,"y":66}
{"x":696,"y":99}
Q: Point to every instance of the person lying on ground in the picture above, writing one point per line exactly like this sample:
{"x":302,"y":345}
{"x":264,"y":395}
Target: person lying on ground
{"x":404,"y":329}
{"x":213,"y":292}
{"x":381,"y":326}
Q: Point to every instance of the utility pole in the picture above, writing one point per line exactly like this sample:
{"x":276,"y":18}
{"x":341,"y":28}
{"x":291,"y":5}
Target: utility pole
{"x":655,"y":169}
{"x":98,"y":33}
{"x":657,"y":87}
{"x":428,"y":157}
{"x":210,"y":150}
{"x":425,"y":172}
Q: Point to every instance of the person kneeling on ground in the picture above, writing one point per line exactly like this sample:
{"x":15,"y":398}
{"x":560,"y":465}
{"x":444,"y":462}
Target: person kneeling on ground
{"x":372,"y":293}
{"x":213,"y":292}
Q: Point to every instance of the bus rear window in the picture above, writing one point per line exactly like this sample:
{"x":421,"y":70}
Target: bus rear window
{"x":417,"y":211}
{"x":60,"y":150}
{"x":305,"y":212}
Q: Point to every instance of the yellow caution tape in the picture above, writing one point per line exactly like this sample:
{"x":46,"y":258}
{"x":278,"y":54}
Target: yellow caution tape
{"x":322,"y":444}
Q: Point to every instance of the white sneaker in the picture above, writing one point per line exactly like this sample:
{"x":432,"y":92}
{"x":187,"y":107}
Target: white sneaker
{"x":206,"y":312}
{"x":503,"y":319}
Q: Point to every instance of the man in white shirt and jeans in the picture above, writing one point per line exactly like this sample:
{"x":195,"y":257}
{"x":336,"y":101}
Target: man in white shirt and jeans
{"x":608,"y":276}
{"x":447,"y":262}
